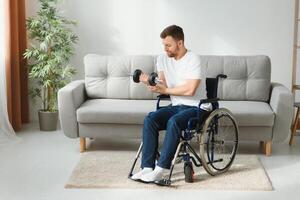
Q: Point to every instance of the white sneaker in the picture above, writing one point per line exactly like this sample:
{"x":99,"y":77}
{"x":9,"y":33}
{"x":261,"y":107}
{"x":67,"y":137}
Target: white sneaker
{"x":144,"y":171}
{"x":156,"y":175}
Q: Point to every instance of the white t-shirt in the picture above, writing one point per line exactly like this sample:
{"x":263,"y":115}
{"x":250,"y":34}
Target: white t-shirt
{"x":176,"y":73}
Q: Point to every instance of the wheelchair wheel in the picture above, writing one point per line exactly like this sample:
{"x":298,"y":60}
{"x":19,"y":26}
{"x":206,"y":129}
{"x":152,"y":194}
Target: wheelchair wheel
{"x":188,"y":172}
{"x":218,"y":141}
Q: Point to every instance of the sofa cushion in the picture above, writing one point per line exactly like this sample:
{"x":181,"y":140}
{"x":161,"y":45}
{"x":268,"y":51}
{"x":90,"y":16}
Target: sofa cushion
{"x":250,"y":113}
{"x":248,"y":77}
{"x":113,"y":111}
{"x":116,"y":111}
{"x":111,"y":76}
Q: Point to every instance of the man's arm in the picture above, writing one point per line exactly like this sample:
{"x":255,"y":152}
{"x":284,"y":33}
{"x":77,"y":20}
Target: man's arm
{"x":187,"y":89}
{"x":161,"y":77}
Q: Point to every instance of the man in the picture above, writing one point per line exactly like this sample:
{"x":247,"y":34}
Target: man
{"x":180,"y":74}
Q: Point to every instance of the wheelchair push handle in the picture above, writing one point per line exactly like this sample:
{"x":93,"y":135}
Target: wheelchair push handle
{"x":221,"y":76}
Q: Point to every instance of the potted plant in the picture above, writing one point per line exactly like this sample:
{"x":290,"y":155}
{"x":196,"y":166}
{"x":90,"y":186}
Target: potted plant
{"x":51,"y":47}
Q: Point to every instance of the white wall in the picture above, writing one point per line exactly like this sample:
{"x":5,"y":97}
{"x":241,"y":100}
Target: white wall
{"x":222,"y":27}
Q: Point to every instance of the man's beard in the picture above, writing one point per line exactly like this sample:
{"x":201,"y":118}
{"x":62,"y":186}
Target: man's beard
{"x":173,"y":54}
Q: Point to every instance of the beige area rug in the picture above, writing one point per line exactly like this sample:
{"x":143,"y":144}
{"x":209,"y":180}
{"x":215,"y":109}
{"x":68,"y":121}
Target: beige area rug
{"x":109,"y":169}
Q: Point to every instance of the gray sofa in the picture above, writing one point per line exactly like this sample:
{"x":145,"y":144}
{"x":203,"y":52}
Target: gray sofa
{"x":108,"y":102}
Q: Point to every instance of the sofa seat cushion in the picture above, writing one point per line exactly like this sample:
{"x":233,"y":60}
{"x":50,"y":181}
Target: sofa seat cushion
{"x":122,"y":111}
{"x":250,"y":113}
{"x":116,"y":111}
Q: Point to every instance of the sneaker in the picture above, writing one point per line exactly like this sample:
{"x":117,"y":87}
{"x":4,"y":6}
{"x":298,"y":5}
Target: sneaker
{"x":144,"y":171}
{"x":156,"y":175}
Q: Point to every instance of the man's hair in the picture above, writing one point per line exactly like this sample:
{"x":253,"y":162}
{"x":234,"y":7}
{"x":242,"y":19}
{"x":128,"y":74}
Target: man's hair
{"x":175,"y":31}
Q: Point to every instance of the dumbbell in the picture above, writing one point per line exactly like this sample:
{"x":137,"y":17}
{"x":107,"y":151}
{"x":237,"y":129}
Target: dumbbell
{"x":153,"y":77}
{"x":136,"y":75}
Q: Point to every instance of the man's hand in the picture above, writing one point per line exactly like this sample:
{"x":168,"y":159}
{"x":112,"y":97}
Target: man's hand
{"x":144,"y":78}
{"x":159,"y":88}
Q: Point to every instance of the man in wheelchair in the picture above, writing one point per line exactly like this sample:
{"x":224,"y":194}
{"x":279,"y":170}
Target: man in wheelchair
{"x":179,"y":72}
{"x":180,"y":77}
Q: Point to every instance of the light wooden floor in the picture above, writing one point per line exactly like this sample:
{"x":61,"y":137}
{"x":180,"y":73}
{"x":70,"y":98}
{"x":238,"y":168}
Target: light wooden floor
{"x":38,"y":167}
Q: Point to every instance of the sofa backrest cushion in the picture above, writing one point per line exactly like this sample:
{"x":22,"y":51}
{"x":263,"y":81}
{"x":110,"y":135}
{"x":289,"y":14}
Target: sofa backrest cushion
{"x":248,"y":77}
{"x":111,"y":76}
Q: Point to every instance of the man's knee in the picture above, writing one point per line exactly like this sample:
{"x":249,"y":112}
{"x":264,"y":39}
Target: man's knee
{"x":149,"y":117}
{"x":153,"y":117}
{"x":150,"y":120}
{"x":147,"y":120}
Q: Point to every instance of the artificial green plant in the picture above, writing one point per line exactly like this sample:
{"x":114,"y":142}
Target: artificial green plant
{"x":51,"y":47}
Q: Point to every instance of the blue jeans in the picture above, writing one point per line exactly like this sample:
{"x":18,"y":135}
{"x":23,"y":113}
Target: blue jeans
{"x":173,"y":119}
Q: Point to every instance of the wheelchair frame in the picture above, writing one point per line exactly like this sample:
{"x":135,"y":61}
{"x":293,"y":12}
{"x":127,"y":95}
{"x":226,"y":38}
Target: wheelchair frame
{"x":191,"y":132}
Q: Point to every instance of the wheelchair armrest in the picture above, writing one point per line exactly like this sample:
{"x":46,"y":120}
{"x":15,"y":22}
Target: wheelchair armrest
{"x":160,"y":97}
{"x":163,"y":96}
{"x":213,"y":101}
{"x":208,"y":101}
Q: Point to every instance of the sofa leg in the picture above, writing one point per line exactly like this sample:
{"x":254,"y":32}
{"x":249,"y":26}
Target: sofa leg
{"x":82,"y":144}
{"x":262,"y":146}
{"x":268,"y":148}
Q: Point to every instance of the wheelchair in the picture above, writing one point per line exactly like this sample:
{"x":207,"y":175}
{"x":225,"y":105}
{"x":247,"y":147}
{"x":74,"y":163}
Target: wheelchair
{"x":216,"y":135}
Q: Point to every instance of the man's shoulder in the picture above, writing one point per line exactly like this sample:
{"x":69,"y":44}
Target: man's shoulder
{"x":193,"y":55}
{"x":193,"y":58}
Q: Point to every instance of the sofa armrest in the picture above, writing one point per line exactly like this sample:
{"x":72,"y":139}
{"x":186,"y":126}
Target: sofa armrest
{"x":281,"y":102}
{"x":70,"y":98}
